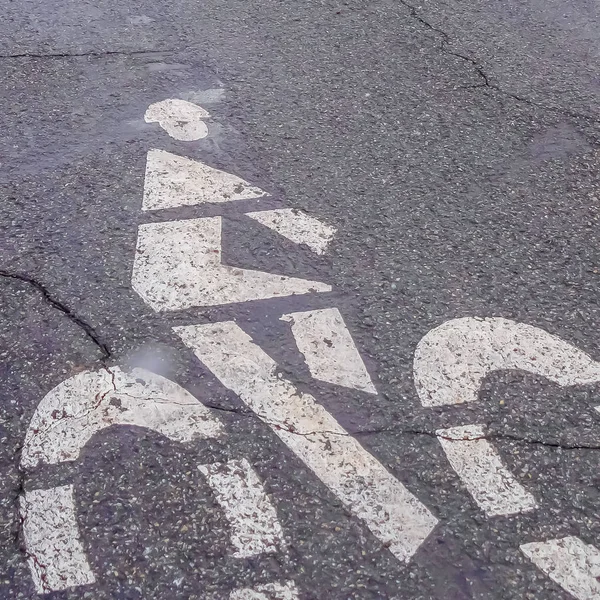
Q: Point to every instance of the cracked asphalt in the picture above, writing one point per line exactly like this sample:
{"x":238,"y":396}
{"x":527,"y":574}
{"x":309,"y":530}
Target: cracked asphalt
{"x":454,"y":146}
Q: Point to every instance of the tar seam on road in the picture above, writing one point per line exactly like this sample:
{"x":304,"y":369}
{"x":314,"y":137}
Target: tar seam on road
{"x":90,"y":53}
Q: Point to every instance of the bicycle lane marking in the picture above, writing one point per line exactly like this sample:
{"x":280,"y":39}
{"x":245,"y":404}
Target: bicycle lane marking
{"x":179,"y":268}
{"x":474,"y":460}
{"x":305,"y":426}
{"x":368,"y":490}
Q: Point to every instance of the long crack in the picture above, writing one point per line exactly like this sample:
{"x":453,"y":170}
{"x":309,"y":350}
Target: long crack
{"x":446,"y":42}
{"x":91,"y":53}
{"x":288,"y":428}
{"x":22,"y":512}
{"x":402,"y":431}
{"x":433,"y":434}
{"x":52,"y":301}
{"x":91,"y":334}
{"x":488,"y":436}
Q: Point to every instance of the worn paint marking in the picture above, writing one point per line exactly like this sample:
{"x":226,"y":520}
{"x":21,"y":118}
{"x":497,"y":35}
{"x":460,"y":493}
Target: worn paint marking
{"x":71,"y":413}
{"x":328,"y":348}
{"x":252,"y":516}
{"x":297,"y":226}
{"x":172,"y":181}
{"x":55,"y":554}
{"x":570,"y":562}
{"x":361,"y":482}
{"x":178,"y":265}
{"x":268,"y":591}
{"x":452,"y":360}
{"x":180,"y":119}
{"x":482,"y":471}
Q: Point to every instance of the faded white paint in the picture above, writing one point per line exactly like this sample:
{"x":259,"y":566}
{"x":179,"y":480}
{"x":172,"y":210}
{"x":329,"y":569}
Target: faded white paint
{"x":328,"y":348}
{"x":180,"y":119}
{"x":361,"y":482}
{"x":55,"y":554}
{"x":71,"y":413}
{"x":570,"y":562}
{"x":268,"y":591}
{"x":297,"y":226}
{"x":255,"y":528}
{"x":452,"y":360}
{"x":481,"y":470}
{"x":178,"y":265}
{"x":173,"y":181}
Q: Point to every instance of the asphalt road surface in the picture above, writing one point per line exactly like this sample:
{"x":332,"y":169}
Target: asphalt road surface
{"x":299,"y":300}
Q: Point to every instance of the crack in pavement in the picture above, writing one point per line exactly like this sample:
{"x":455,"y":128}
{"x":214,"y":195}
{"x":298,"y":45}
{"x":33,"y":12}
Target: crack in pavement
{"x":487,"y":436}
{"x":403,"y":431}
{"x":90,"y":53}
{"x":21,"y":509}
{"x":22,"y":512}
{"x":89,"y":331}
{"x":446,"y":41}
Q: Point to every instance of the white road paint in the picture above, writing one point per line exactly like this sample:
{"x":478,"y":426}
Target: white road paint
{"x":361,"y":482}
{"x":570,"y":562}
{"x":328,"y":348}
{"x":55,"y":554}
{"x":241,"y":494}
{"x":297,"y":226}
{"x":180,"y":119}
{"x":450,"y":364}
{"x":268,"y":591}
{"x":481,"y":470}
{"x":173,"y":181}
{"x":178,"y":265}
{"x":71,"y":413}
{"x":452,"y":360}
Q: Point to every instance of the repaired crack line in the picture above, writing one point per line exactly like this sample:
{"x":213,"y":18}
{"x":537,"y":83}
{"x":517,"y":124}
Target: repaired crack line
{"x":446,"y":41}
{"x":89,"y":331}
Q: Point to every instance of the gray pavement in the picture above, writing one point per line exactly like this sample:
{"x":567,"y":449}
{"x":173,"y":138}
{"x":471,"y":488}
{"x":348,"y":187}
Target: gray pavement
{"x":453,"y":146}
